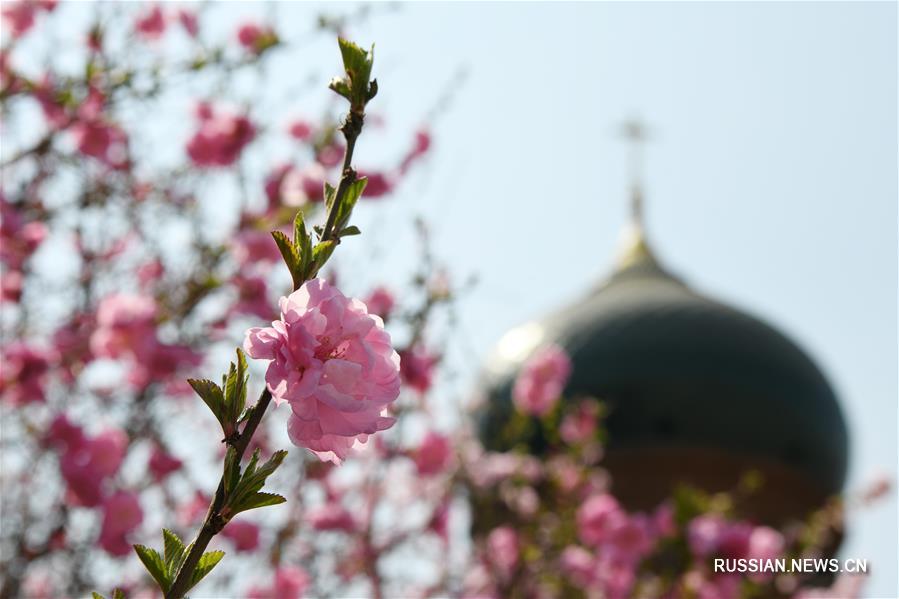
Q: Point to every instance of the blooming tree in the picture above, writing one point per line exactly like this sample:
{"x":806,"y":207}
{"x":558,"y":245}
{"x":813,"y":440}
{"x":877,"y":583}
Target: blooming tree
{"x":130,"y":269}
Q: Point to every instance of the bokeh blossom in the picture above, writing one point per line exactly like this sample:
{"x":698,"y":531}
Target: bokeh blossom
{"x":541,"y":381}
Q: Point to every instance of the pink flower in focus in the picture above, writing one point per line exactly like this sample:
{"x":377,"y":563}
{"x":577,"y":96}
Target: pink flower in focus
{"x":161,"y":464}
{"x":331,"y":516}
{"x":244,"y":535}
{"x":333,"y":363}
{"x":596,"y":517}
{"x":380,"y":301}
{"x":502,"y":550}
{"x":220,"y":138}
{"x":121,"y":515}
{"x":540,"y":383}
{"x":434,"y":455}
{"x":151,"y":25}
{"x":417,"y":367}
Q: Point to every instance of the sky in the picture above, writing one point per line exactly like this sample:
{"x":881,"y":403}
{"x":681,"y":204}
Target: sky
{"x":770,"y":178}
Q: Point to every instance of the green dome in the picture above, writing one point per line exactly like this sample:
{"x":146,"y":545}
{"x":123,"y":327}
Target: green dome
{"x":681,"y":372}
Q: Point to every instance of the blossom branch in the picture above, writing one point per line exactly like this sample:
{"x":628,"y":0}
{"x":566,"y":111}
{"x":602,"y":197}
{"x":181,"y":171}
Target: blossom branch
{"x":358,"y":90}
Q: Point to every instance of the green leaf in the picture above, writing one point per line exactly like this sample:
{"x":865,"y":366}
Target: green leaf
{"x":330,"y":194}
{"x":259,"y":500}
{"x":355,"y":86}
{"x":96,"y":595}
{"x":155,"y":565}
{"x":173,"y":550}
{"x":207,"y":562}
{"x":235,"y":386}
{"x":211,"y":394}
{"x":351,"y":230}
{"x":118,"y":594}
{"x":243,"y":495}
{"x":350,"y":197}
{"x":291,"y":257}
{"x":232,"y":470}
{"x":321,"y":253}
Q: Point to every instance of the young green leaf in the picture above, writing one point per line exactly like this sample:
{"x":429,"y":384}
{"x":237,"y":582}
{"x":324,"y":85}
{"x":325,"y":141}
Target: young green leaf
{"x":291,"y":257}
{"x":174,"y":550}
{"x":351,"y":230}
{"x":211,"y":394}
{"x":245,"y":494}
{"x":118,"y":594}
{"x":155,"y":565}
{"x":207,"y":562}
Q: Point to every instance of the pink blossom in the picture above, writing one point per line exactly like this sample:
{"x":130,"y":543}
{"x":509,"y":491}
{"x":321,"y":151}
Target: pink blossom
{"x":331,"y":516}
{"x":63,"y":434}
{"x":161,"y":464}
{"x":596,"y":517}
{"x":255,"y":37}
{"x":300,"y":130}
{"x":630,"y":537}
{"x":301,"y":186}
{"x":333,"y":363}
{"x":252,"y":296}
{"x":220,"y":138}
{"x":244,"y":535}
{"x":273,"y":185}
{"x":380,"y":301}
{"x":24,"y":373}
{"x":579,"y":565}
{"x":502,"y":550}
{"x":151,"y":25}
{"x":330,"y":155}
{"x":19,"y":15}
{"x":540,"y":383}
{"x":379,"y":184}
{"x":704,"y":534}
{"x":289,"y":583}
{"x":101,"y":140}
{"x":765,"y":543}
{"x":434,"y":455}
{"x":663,"y":520}
{"x":420,"y":146}
{"x":124,"y":322}
{"x":88,"y":463}
{"x":188,"y":20}
{"x":121,"y":515}
{"x":580,"y":424}
{"x":251,"y":247}
{"x":417,"y":367}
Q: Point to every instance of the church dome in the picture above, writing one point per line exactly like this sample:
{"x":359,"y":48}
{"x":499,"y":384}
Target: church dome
{"x":696,"y":391}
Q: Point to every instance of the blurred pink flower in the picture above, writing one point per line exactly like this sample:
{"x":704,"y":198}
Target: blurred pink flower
{"x":252,"y":247}
{"x":124,"y":322}
{"x":502,"y":550}
{"x":24,"y":373}
{"x":188,"y":20}
{"x":540,"y":383}
{"x":151,"y":24}
{"x":580,"y":424}
{"x":121,"y":515}
{"x":579,"y":565}
{"x":417,"y":367}
{"x":244,"y":535}
{"x":161,"y":464}
{"x":19,"y":15}
{"x":331,"y":516}
{"x":704,"y":534}
{"x":379,"y":184}
{"x":101,"y":140}
{"x":289,"y":583}
{"x":87,"y":462}
{"x":434,"y":455}
{"x":300,"y":129}
{"x":333,"y":363}
{"x":302,"y":186}
{"x":420,"y":146}
{"x":596,"y":517}
{"x":255,"y":37}
{"x":220,"y":138}
{"x":380,"y":301}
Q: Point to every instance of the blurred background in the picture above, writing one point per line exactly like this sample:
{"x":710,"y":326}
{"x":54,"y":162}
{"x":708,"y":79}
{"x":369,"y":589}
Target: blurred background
{"x":769,"y":172}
